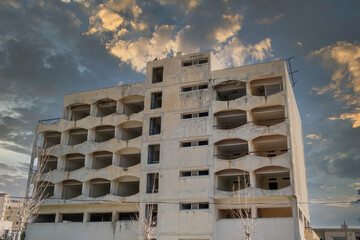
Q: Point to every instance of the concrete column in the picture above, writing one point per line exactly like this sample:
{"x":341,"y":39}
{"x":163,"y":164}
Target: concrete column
{"x":61,"y":165}
{"x":88,"y":160}
{"x":119,"y":107}
{"x":252,"y":179}
{"x":113,"y":187}
{"x":57,"y":190}
{"x":86,"y":189}
{"x":118,"y":132}
{"x":93,"y":110}
{"x":58,"y":217}
{"x":64,"y":138}
{"x":91,"y":135}
{"x":114,"y":217}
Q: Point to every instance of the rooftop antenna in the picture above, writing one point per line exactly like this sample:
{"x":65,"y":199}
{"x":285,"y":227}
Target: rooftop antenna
{"x":291,"y":71}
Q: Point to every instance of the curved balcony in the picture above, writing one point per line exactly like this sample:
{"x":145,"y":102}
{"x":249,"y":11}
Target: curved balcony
{"x":230,"y":90}
{"x":266,"y":86}
{"x":229,"y":149}
{"x":270,"y":145}
{"x":105,"y":107}
{"x":45,"y":189}
{"x":230,"y":119}
{"x":71,"y":189}
{"x":51,"y":138}
{"x":272,"y":177}
{"x":133,"y":104}
{"x":269,"y":115}
{"x":104,"y":133}
{"x":48,"y":163}
{"x":77,"y":136}
{"x":130,"y":130}
{"x":77,"y":111}
{"x":101,"y":159}
{"x":231,"y":180}
{"x":128,"y":157}
{"x":99,"y":188}
{"x":127,"y":186}
{"x":74,"y":161}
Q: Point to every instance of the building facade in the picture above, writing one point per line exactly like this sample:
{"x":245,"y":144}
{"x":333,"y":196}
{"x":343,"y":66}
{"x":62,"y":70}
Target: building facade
{"x":195,"y":142}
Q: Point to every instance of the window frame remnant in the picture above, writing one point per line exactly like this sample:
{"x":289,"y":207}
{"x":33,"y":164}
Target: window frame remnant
{"x":155,"y":126}
{"x":153,"y":154}
{"x":156,"y":100}
{"x":195,"y":115}
{"x":195,"y":143}
{"x":194,"y":206}
{"x":194,"y":173}
{"x":152,"y":182}
{"x":199,"y":61}
{"x":100,"y":217}
{"x":194,"y":87}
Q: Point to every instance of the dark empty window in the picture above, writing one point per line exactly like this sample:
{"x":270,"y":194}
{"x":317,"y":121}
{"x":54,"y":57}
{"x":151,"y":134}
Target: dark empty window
{"x":194,"y":88}
{"x":273,"y":185}
{"x":194,"y":173}
{"x":156,"y":100}
{"x":45,"y":218}
{"x":194,"y":115}
{"x":194,"y":206}
{"x":72,"y":218}
{"x":195,"y":62}
{"x":152,"y":183}
{"x":100,"y":217}
{"x":157,"y":74}
{"x":128,"y":216}
{"x":194,"y":143}
{"x":155,"y":126}
{"x":154,"y":154}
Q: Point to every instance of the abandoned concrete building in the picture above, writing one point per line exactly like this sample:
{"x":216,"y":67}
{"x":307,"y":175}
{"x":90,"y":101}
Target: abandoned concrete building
{"x":191,"y":140}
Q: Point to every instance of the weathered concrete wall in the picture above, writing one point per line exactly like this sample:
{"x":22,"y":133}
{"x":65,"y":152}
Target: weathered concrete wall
{"x":174,"y":223}
{"x":81,"y":231}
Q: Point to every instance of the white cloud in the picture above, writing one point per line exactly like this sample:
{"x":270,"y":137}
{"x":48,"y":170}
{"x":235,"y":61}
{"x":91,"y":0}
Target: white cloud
{"x":316,"y":137}
{"x":186,"y":5}
{"x":269,"y":20}
{"x":135,"y":43}
{"x":236,"y":53}
{"x":230,"y":27}
{"x":343,"y":59}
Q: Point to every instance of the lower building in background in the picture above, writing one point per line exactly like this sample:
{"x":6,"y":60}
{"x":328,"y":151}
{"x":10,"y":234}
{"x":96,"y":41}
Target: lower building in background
{"x":194,"y":152}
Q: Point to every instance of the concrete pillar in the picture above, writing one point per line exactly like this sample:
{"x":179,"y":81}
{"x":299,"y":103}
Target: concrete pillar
{"x":91,"y":135}
{"x":118,"y":132}
{"x":88,"y":161}
{"x":93,"y":110}
{"x":252,"y":179}
{"x":61,"y":165}
{"x":57,"y":190}
{"x":64,"y":138}
{"x":113,"y":187}
{"x":86,"y":189}
{"x":120,"y":107}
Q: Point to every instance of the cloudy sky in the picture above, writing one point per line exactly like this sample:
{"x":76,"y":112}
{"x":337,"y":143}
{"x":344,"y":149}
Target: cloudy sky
{"x":49,"y":48}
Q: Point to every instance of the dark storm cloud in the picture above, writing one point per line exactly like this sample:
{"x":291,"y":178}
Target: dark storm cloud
{"x":14,"y":185}
{"x":42,"y":56}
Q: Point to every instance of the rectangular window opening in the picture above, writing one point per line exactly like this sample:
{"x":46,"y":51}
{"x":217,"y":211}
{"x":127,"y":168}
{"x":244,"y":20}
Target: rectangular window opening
{"x":194,"y":115}
{"x":155,"y":126}
{"x":154,"y":154}
{"x":156,"y":100}
{"x":68,"y":218}
{"x":151,"y":213}
{"x":128,"y":216}
{"x":194,"y":173}
{"x":152,"y":183}
{"x":194,"y":143}
{"x":100,"y":217}
{"x":157,"y":76}
{"x":194,"y":88}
